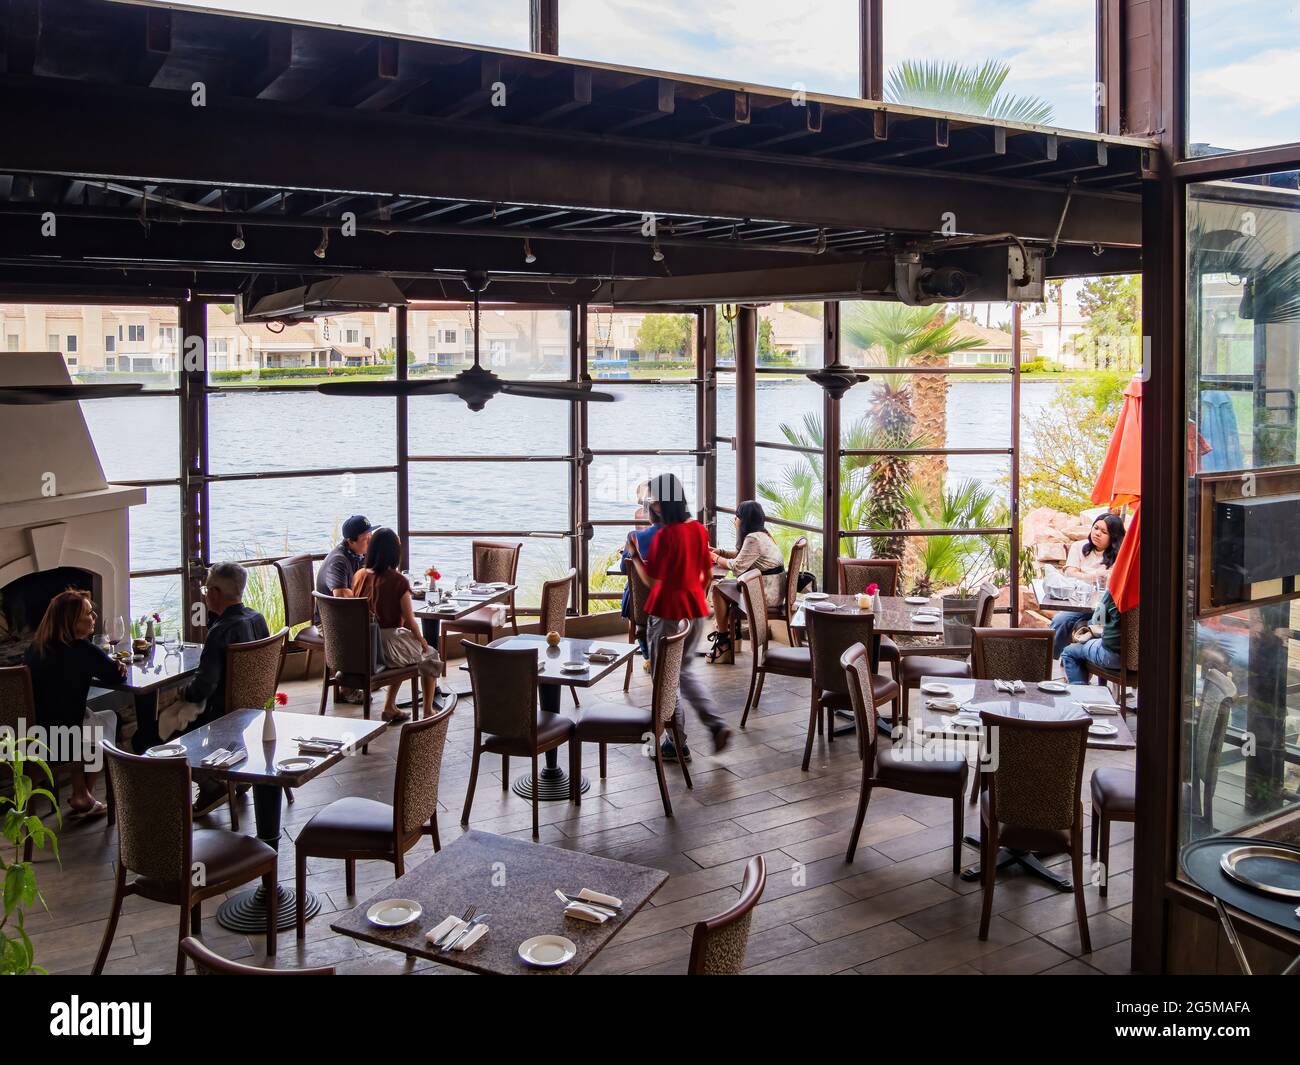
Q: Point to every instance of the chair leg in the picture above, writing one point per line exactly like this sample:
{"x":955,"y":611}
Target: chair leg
{"x":433,"y":831}
{"x":300,"y":887}
{"x":288,"y":795}
{"x":272,"y":912}
{"x":350,"y":876}
{"x":505,"y":772}
{"x":864,"y":797}
{"x":958,"y":827}
{"x":473,"y":779}
{"x":988,"y":874}
{"x":1080,"y":907}
{"x":575,"y":771}
{"x":119,"y":889}
{"x":604,"y":751}
{"x":415,"y":698}
{"x":230,"y":801}
{"x":755,"y":687}
{"x":536,"y":834}
{"x":184,"y":931}
{"x":574,"y":692}
{"x":814,"y":726}
{"x":1105,"y":851}
{"x":325,"y":690}
{"x":663,"y":783}
{"x":1096,"y":825}
{"x":679,"y":741}
{"x":196,"y":920}
{"x":399,"y":865}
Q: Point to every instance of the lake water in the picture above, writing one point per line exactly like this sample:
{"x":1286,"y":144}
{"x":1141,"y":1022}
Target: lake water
{"x":251,"y":432}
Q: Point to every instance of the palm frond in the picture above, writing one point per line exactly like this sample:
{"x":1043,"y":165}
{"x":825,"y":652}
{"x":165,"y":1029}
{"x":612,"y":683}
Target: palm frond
{"x":968,"y":90}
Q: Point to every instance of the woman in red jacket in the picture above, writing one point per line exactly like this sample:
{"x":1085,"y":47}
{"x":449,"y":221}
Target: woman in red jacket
{"x":677,"y":568}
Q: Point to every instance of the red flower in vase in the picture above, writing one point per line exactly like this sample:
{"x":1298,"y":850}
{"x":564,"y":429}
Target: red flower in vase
{"x":433,"y":574}
{"x":872,"y":589}
{"x":281,"y":699}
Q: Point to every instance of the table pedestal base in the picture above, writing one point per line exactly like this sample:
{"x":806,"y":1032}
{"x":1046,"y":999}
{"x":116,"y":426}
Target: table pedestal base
{"x":552,"y":785}
{"x":1025,"y":859}
{"x":246,"y":912}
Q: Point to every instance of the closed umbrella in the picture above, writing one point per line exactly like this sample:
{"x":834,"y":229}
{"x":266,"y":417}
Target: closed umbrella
{"x":1119,"y":484}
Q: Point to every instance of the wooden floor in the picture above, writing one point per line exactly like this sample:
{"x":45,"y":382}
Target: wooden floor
{"x":896,"y":909}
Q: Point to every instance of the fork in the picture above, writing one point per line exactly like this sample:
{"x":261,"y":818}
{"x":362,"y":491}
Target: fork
{"x":466,"y":917}
{"x":469,"y":927}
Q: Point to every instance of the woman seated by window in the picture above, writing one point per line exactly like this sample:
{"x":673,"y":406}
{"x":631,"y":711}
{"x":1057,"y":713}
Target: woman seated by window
{"x":401,"y":640}
{"x":63,"y":663}
{"x":757,"y":551}
{"x":1087,"y":560}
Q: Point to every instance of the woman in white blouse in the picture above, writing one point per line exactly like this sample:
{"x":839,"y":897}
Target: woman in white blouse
{"x":756,"y":551}
{"x":1087,"y":560}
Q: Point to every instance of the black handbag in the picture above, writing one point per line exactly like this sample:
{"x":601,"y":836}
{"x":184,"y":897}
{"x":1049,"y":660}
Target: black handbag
{"x":807,"y":582}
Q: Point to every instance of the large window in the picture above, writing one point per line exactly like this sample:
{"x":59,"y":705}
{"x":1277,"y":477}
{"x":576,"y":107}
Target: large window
{"x":1242,"y":90}
{"x":1031,"y":61}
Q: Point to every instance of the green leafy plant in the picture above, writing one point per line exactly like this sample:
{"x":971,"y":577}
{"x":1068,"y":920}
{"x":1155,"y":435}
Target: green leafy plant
{"x":23,"y":831}
{"x":1063,"y":445}
{"x":961,"y":561}
{"x":970,"y":90}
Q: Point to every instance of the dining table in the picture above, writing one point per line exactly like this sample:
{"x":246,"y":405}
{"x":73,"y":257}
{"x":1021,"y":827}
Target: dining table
{"x":150,"y":674}
{"x":512,"y":885}
{"x":459,"y":604}
{"x":1053,"y":604}
{"x":552,"y":780}
{"x":271,"y":767}
{"x":937,"y":730}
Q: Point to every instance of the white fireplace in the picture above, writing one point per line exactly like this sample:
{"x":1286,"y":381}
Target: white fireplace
{"x":59,"y":517}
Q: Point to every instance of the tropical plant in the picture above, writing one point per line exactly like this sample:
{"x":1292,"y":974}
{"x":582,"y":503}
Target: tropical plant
{"x":20,"y":826}
{"x":1112,"y":331}
{"x":959,"y":560}
{"x":969,"y":90}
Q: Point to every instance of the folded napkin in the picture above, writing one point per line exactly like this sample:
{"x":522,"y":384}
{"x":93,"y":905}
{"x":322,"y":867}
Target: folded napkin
{"x":215,"y":758}
{"x":1099,"y":709}
{"x":585,"y":913}
{"x":453,"y":922}
{"x":943,"y":704}
{"x":600,"y":899}
{"x":309,"y":747}
{"x":601,"y":656}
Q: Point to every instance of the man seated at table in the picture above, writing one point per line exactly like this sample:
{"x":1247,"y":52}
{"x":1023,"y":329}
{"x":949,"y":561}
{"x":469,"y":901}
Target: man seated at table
{"x":1103,"y":650}
{"x":204,"y":699}
{"x":339,"y":568}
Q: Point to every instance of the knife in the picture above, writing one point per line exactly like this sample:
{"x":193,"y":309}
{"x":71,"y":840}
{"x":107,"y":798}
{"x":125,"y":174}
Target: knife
{"x":465,"y":931}
{"x":599,"y":907}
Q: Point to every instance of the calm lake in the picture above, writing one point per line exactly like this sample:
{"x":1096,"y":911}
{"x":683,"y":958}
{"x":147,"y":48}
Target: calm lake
{"x":137,"y":439}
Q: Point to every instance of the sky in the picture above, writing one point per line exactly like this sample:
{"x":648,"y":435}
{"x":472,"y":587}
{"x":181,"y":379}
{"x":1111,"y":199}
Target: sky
{"x":1244,"y":56}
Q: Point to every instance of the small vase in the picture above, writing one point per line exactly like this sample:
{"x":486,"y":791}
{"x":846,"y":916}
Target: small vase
{"x":268,"y":726}
{"x":148,"y":632}
{"x":875,"y":603}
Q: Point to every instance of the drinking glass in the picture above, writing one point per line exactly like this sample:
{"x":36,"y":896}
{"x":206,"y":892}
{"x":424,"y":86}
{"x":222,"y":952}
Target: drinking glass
{"x":463,"y":582}
{"x":118,"y":633}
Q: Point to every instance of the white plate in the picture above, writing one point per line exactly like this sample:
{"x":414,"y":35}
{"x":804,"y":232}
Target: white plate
{"x":166,"y":750}
{"x":393,"y":913}
{"x":547,"y":952}
{"x":925,"y":619}
{"x":931,"y":688}
{"x":917,"y":600}
{"x":962,"y":721}
{"x":498,"y":585}
{"x":814,"y":596}
{"x":296,"y":764}
{"x":1103,"y":728}
{"x":1057,"y":686}
{"x":574,"y":667}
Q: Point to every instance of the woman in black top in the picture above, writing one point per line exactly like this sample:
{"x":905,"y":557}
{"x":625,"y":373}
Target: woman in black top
{"x":63,"y":663}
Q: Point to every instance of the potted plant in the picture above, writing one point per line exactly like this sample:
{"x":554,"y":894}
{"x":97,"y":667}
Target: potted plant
{"x":23,"y":831}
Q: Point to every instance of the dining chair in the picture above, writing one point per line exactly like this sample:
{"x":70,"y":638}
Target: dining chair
{"x":492,"y":561}
{"x":718,"y":944}
{"x":606,"y":724}
{"x":1125,"y":674}
{"x":252,"y":673}
{"x":297,"y":583}
{"x":788,"y":607}
{"x":555,"y":610}
{"x":640,"y":592}
{"x":1114,"y":798}
{"x":1011,"y":654}
{"x":1213,"y":711}
{"x":855,"y":574}
{"x":350,"y":655}
{"x":17,"y":713}
{"x":830,"y":634}
{"x":356,"y":827}
{"x":767,"y":657}
{"x":173,"y":863}
{"x":208,"y":962}
{"x":952,"y":658}
{"x":1031,"y":800}
{"x":507,"y":719}
{"x":909,"y":769}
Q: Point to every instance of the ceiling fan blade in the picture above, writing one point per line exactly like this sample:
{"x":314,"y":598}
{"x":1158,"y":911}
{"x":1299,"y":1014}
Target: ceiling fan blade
{"x":574,"y":393}
{"x":439,"y":387}
{"x":31,"y":395}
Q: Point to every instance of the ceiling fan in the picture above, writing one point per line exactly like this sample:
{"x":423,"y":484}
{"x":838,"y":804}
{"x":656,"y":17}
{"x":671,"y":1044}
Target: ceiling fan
{"x":36,"y":395}
{"x":474,"y":385}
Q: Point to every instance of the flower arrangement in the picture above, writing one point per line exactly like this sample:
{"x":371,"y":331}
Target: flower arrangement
{"x":873,"y":588}
{"x":278,"y":699}
{"x":433,"y":574}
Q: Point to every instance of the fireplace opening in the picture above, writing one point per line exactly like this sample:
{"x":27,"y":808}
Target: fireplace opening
{"x":23,"y":603}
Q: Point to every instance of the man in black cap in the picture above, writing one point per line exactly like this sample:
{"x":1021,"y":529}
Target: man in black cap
{"x":335,"y":574}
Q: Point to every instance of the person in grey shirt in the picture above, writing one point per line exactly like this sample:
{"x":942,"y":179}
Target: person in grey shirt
{"x":339,"y":567}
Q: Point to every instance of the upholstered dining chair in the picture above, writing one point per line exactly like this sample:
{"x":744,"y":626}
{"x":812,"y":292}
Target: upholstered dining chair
{"x":507,"y":719}
{"x":1114,"y":798}
{"x":555,"y":609}
{"x":953,"y":658}
{"x":830,"y":634}
{"x":855,"y":574}
{"x":1031,"y":801}
{"x":491,"y":561}
{"x":899,"y":768}
{"x":355,"y":827}
{"x":640,"y":592}
{"x":156,"y":841}
{"x":1011,"y":654}
{"x":252,"y":670}
{"x":1125,"y":674}
{"x":350,"y":654}
{"x":1210,"y":725}
{"x":297,"y":583}
{"x":606,"y":724}
{"x":207,"y":962}
{"x":718,"y":944}
{"x":786,"y":610}
{"x":767,"y":657}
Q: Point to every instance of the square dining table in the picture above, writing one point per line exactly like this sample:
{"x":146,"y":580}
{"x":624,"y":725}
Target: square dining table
{"x":1053,"y":605}
{"x":147,"y":677}
{"x":265,"y":770}
{"x":513,"y":882}
{"x":552,"y":780}
{"x":460,"y":604}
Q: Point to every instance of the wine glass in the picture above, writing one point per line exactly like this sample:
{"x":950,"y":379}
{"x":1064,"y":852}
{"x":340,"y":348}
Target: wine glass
{"x":463,"y":582}
{"x":118,"y":632}
{"x":166,"y":639}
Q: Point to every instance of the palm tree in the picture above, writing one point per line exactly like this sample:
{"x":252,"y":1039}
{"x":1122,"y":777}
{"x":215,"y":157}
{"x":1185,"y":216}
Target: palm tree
{"x":906,"y":411}
{"x":968,"y":90}
{"x":960,"y":561}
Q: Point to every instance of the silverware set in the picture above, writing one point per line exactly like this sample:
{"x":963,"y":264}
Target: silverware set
{"x":1010,"y":687}
{"x":598,"y":907}
{"x":449,"y":941}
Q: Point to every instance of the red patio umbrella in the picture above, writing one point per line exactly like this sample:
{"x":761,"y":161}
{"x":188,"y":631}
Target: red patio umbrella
{"x":1119,"y":483}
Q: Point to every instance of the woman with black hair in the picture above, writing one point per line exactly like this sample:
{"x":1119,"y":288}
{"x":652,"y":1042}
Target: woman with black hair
{"x":401,"y":640}
{"x":1087,"y":560}
{"x":756,"y":550}
{"x":677,"y":569}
